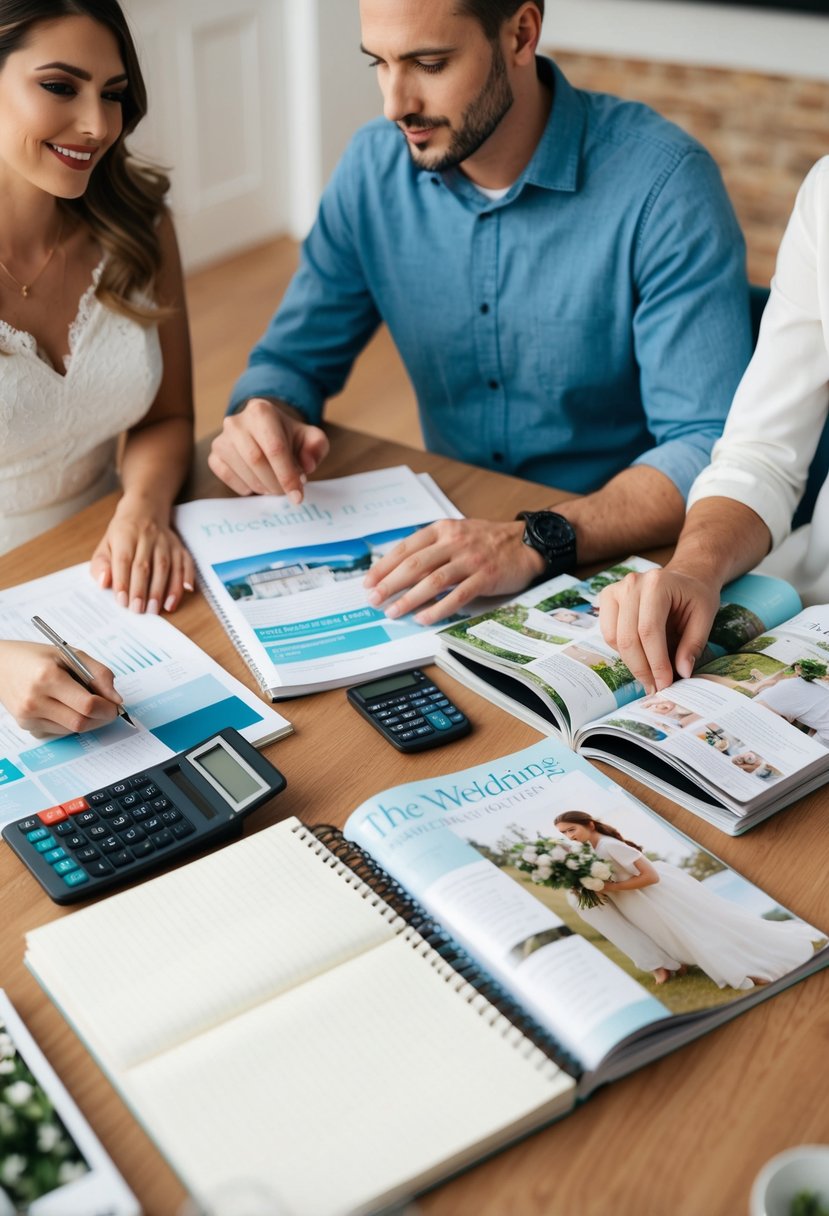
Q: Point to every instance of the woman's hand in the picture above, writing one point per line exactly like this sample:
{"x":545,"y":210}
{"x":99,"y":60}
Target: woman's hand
{"x":142,"y":559}
{"x":45,"y":699}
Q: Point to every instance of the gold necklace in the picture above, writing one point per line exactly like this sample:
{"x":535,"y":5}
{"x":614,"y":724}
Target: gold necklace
{"x":25,"y":288}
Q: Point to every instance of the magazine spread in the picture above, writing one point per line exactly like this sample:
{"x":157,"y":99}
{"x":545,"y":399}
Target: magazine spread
{"x":542,"y":657}
{"x":176,"y":695}
{"x":616,"y":976}
{"x":287,"y":581}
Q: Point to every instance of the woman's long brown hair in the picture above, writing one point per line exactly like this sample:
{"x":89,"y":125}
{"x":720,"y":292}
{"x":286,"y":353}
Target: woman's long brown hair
{"x":604,"y":829}
{"x":124,"y":200}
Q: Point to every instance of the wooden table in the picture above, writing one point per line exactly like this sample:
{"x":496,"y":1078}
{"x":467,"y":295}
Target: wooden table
{"x":685,"y":1135}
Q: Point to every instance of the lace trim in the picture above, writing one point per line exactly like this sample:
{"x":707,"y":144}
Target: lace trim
{"x":17,"y":340}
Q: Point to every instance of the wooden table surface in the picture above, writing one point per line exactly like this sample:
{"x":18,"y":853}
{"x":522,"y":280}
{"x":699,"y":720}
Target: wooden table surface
{"x":682,"y":1137}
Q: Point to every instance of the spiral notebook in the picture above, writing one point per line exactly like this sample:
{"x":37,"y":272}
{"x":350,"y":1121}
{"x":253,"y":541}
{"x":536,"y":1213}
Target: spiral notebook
{"x":284,"y":1019}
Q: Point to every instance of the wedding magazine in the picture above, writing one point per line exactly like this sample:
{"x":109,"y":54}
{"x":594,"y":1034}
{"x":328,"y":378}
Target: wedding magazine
{"x":746,"y":735}
{"x":474,"y":910}
{"x":287,"y":582}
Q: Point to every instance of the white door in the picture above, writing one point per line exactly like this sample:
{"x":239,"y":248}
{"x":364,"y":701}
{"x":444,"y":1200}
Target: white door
{"x":214,"y":79}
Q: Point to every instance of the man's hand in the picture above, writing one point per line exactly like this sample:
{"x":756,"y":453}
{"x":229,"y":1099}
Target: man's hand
{"x":266,"y":449}
{"x":456,"y":560}
{"x":650,"y":618}
{"x":45,"y":699}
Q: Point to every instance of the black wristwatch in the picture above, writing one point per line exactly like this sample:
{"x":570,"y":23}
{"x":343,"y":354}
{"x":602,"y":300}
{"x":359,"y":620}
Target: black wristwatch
{"x":554,"y":537}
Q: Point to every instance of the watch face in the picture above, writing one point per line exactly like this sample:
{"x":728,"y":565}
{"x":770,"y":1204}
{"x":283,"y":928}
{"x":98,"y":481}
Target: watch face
{"x":552,"y":532}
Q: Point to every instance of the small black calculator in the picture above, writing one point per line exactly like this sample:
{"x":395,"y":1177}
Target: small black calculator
{"x":410,"y":711}
{"x":116,"y":834}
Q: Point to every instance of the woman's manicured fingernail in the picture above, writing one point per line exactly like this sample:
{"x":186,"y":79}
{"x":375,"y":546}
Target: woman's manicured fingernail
{"x":152,"y":607}
{"x":188,"y":586}
{"x":295,"y":497}
{"x":393,"y":611}
{"x":102,"y":579}
{"x":170,"y":602}
{"x":137,"y":605}
{"x":121,"y":599}
{"x":375,"y":598}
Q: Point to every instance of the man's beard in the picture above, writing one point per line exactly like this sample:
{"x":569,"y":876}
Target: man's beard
{"x":482,"y":116}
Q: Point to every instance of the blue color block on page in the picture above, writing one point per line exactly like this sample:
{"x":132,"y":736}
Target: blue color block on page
{"x":184,"y":732}
{"x":9,"y":772}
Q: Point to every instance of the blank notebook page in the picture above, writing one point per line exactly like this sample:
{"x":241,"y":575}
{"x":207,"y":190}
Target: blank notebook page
{"x":160,"y":962}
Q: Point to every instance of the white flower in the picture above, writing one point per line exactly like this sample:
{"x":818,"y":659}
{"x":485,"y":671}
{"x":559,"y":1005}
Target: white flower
{"x":12,"y":1168}
{"x":19,"y":1093}
{"x":6,"y":1046}
{"x":70,"y":1170}
{"x":544,"y":872}
{"x":558,"y":853}
{"x":7,"y":1067}
{"x":571,"y":864}
{"x":536,"y":877}
{"x":592,"y":884}
{"x":600,"y":869}
{"x":529,"y":854}
{"x":543,"y":859}
{"x":48,"y":1135}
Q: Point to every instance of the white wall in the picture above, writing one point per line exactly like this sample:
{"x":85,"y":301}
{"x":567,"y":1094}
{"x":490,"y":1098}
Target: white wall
{"x":716,"y":35}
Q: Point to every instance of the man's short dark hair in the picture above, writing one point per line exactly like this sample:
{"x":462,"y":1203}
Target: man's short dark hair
{"x":493,"y":13}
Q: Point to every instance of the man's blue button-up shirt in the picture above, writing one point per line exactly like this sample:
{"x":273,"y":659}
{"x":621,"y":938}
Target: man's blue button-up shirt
{"x":594,"y":317}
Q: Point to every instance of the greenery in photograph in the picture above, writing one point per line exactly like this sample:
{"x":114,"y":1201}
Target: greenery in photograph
{"x":570,"y":597}
{"x":733,"y":626}
{"x":551,"y":693}
{"x":738,"y":667}
{"x":811,"y":669}
{"x":758,"y":645}
{"x":607,"y":577}
{"x":615,"y":674}
{"x":822,"y":645}
{"x":37,"y":1154}
{"x":638,"y":728}
{"x":701,"y":865}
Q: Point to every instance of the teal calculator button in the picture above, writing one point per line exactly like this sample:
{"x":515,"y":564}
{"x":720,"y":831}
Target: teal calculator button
{"x":439,"y":721}
{"x":37,"y":834}
{"x":66,"y":866}
{"x":75,"y":877}
{"x":48,"y":842}
{"x":54,"y":855}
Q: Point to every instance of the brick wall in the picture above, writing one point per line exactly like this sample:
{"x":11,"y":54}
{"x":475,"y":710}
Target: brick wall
{"x":764,"y":131}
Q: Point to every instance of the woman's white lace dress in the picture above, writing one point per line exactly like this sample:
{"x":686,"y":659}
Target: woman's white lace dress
{"x":58,"y":433}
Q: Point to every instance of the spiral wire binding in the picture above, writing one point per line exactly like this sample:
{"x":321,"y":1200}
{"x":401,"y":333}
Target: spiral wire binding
{"x":230,"y":631}
{"x":427,"y":935}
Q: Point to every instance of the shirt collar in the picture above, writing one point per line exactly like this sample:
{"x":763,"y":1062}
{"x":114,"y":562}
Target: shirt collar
{"x":555,"y":162}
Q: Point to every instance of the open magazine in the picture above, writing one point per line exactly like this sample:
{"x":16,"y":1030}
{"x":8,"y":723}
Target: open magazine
{"x":615,"y":978}
{"x":746,"y":735}
{"x":287,"y":582}
{"x":462,"y":945}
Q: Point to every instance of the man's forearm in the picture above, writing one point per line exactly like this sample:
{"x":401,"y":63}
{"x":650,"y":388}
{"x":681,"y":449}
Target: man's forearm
{"x":721,"y":540}
{"x":638,"y":509}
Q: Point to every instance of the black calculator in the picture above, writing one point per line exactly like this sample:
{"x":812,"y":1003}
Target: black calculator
{"x":116,"y":834}
{"x":410,"y":711}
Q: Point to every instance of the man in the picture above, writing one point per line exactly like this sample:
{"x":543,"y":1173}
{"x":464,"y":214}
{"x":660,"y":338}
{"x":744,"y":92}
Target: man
{"x":562,"y":274}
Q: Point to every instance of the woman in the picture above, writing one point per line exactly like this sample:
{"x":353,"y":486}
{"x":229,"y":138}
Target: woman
{"x":682,"y":917}
{"x":93,"y":330}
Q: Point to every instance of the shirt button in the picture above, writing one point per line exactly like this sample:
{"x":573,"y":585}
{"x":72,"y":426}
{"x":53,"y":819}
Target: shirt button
{"x":484,"y":215}
{"x":498,"y":457}
{"x":484,"y":309}
{"x":494,"y":384}
{"x":435,"y":181}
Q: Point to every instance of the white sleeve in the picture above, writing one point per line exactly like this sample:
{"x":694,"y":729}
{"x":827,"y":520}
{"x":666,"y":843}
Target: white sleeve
{"x":776,"y":420}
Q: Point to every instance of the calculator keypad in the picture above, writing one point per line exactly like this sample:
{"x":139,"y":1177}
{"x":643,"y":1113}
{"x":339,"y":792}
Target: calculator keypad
{"x":107,"y":830}
{"x":416,"y":716}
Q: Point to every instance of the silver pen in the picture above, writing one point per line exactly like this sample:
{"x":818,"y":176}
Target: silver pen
{"x":73,"y":660}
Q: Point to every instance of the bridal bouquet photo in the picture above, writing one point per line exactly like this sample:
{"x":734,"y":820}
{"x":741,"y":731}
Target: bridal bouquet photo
{"x":566,"y":865}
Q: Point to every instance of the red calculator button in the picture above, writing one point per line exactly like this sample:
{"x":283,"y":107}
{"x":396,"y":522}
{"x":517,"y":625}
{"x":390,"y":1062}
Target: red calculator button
{"x":52,"y":814}
{"x":75,"y":806}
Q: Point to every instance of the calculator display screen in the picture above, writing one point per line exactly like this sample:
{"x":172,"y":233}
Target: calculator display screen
{"x":393,"y":684}
{"x":228,"y":773}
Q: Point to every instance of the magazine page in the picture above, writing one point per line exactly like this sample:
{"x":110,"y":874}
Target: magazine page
{"x":487,"y":854}
{"x":549,"y":638}
{"x":176,"y":695}
{"x":751,"y":726}
{"x":287,"y":581}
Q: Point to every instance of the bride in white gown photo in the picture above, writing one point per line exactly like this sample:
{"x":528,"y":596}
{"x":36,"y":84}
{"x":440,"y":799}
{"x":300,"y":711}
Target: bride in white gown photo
{"x":663,"y":913}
